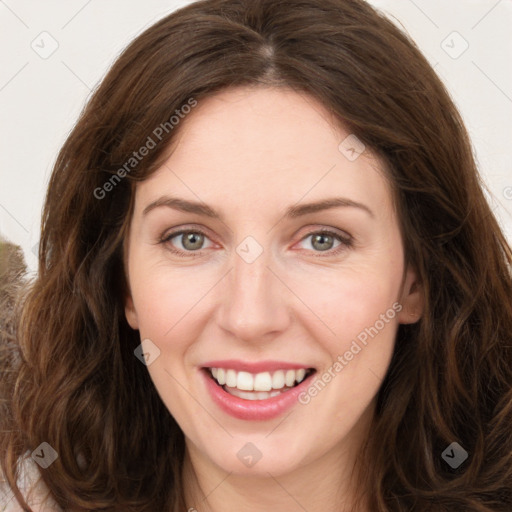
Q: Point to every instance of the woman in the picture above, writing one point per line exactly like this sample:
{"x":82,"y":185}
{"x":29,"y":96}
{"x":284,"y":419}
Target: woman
{"x":268,"y":277}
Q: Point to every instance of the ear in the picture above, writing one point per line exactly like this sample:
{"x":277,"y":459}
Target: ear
{"x":129,"y":308}
{"x":412,"y":298}
{"x":130,"y":313}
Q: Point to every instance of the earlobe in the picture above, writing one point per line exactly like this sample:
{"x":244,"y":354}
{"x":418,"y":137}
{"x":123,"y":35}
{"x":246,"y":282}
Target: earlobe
{"x":130,"y":313}
{"x":412,"y":299}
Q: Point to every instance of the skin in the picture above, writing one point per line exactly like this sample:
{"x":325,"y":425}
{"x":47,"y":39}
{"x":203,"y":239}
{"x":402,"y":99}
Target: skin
{"x":250,"y":153}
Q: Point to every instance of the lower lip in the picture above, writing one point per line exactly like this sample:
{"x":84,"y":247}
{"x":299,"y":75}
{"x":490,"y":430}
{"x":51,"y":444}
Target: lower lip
{"x":253,"y":409}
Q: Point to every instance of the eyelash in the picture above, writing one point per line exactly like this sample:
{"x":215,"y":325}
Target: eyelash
{"x":345,"y":242}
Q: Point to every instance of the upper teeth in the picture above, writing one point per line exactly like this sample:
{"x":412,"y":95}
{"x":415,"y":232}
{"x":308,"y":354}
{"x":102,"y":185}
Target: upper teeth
{"x":264,"y":381}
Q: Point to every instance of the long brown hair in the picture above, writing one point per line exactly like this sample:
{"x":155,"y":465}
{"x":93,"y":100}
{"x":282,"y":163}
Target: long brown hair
{"x":79,"y":386}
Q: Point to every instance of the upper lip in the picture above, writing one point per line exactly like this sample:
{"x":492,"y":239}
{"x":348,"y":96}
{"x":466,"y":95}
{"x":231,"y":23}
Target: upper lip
{"x":255,"y":366}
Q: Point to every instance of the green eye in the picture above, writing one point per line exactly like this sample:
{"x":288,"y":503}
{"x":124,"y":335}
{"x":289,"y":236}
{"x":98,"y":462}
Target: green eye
{"x":323,"y":241}
{"x":191,"y":241}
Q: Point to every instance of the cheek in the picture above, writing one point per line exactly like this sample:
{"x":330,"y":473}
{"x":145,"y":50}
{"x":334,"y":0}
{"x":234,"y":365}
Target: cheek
{"x":352,"y":302}
{"x":362,"y":311}
{"x":162,"y":297}
{"x":169,"y":306}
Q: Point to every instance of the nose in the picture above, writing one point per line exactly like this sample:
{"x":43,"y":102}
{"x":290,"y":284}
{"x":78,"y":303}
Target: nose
{"x":255,"y":303}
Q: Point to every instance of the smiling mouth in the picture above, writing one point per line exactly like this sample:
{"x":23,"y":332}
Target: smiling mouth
{"x":258,"y":386}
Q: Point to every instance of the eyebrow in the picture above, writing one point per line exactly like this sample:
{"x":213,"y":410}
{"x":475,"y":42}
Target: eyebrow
{"x":292,"y":212}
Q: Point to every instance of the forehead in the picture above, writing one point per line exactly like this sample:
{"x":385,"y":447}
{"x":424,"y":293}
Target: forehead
{"x":276,"y":122}
{"x":268,"y":145}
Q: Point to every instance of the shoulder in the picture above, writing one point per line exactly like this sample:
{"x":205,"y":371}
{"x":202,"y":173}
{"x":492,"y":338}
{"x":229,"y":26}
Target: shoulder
{"x":32,"y":487}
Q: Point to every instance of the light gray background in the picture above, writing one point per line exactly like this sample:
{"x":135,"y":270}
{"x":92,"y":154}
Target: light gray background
{"x":41,"y":95}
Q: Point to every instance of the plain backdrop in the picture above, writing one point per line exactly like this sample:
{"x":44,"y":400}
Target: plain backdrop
{"x":53,"y":53}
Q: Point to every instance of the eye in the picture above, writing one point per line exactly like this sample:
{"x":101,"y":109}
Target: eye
{"x":191,"y":241}
{"x":323,"y":241}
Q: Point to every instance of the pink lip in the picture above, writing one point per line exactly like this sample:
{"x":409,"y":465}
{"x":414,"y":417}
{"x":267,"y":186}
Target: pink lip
{"x":256,"y":367}
{"x":251,"y":410}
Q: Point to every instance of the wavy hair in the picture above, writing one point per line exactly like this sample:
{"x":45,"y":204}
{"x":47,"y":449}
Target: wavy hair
{"x":78,"y":385}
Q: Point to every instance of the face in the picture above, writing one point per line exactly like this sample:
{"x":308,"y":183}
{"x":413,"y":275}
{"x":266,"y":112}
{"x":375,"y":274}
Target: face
{"x":270,"y":321}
